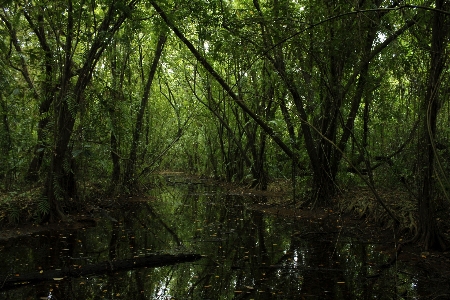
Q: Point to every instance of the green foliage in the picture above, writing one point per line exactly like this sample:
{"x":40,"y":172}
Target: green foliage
{"x":72,"y":106}
{"x":310,"y":70}
{"x":43,"y":207}
{"x":13,"y":213}
{"x":10,"y":209}
{"x":58,"y":190}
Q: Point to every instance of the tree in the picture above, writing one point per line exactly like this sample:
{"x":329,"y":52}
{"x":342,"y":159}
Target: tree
{"x":237,"y":99}
{"x":130,"y":173}
{"x":428,"y":232}
{"x":335,"y":80}
{"x":315,"y":85}
{"x":60,"y":183}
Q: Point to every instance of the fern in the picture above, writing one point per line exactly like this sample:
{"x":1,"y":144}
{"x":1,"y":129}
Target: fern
{"x":58,"y":192}
{"x":72,"y":106}
{"x":13,"y":214}
{"x":43,"y":206}
{"x":44,"y":115}
{"x":66,"y":166}
{"x":50,"y":125}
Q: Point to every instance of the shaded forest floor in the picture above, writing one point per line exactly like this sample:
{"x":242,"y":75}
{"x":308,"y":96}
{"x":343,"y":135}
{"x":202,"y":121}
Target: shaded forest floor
{"x":354,"y":214}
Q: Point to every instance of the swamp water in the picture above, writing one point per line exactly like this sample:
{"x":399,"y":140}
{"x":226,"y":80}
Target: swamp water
{"x":246,"y":254}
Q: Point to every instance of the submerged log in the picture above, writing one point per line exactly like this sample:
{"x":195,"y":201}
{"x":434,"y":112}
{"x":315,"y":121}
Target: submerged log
{"x":18,"y":280}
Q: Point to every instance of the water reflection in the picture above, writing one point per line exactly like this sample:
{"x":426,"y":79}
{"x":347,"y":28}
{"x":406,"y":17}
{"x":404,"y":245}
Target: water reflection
{"x":247,"y":254}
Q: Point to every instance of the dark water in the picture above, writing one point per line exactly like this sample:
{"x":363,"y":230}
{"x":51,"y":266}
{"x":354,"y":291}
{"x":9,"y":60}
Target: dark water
{"x":247,"y":255}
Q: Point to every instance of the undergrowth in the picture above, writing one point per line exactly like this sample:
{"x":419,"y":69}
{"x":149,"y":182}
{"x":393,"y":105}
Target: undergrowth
{"x":18,"y":207}
{"x":362,"y":202}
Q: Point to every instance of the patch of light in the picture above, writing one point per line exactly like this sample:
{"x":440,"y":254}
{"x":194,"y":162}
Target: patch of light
{"x":381,"y":37}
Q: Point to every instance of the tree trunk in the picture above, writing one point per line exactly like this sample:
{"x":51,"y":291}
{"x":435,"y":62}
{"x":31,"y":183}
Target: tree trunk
{"x":115,"y":97}
{"x":323,"y":186}
{"x":47,"y":88}
{"x":260,"y":177}
{"x":115,"y":175}
{"x":5,"y":145}
{"x":428,"y":233}
{"x":221,"y":81}
{"x":60,"y":183}
{"x":129,"y":178}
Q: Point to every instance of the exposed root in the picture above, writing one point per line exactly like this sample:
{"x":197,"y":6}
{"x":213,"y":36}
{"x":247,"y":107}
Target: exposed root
{"x":362,"y":202}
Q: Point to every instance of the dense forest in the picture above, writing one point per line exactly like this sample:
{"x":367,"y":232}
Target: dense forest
{"x":98,"y":95}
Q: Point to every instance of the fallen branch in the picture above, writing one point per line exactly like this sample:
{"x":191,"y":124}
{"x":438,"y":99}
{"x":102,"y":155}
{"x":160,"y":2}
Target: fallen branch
{"x":153,"y":261}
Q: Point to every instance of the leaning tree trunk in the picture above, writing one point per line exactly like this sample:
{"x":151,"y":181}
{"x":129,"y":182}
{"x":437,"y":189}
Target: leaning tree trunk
{"x":129,"y":178}
{"x":237,"y":99}
{"x":105,"y":267}
{"x":428,"y":232}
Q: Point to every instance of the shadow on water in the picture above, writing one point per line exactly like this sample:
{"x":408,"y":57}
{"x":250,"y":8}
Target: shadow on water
{"x":246,"y":255}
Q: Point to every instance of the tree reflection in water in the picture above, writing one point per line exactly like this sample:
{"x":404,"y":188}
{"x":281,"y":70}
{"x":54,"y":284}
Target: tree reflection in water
{"x":247,"y":254}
